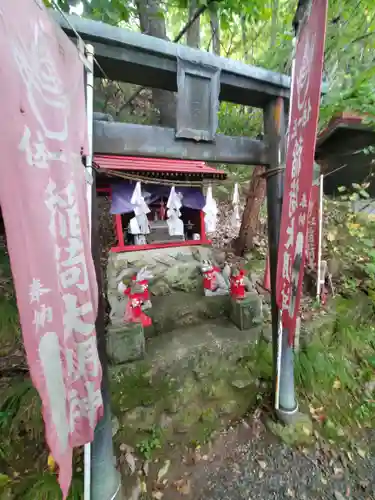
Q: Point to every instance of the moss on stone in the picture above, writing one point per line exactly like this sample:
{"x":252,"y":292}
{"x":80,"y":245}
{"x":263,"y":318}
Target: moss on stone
{"x":183,"y":309}
{"x":190,"y":384}
{"x":187,"y":417}
{"x":134,"y":386}
{"x":298,"y":434}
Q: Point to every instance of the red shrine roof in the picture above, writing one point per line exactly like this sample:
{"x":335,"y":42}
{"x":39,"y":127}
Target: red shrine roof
{"x":337,"y":122}
{"x":157,"y":165}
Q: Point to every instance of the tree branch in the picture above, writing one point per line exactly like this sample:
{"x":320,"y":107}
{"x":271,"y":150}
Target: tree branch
{"x":363,"y":37}
{"x":192,"y":20}
{"x":195,"y":16}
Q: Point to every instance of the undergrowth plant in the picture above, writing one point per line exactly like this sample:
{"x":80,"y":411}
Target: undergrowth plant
{"x":333,"y":370}
{"x":349,"y":237}
{"x":147,"y":446}
{"x":44,"y":486}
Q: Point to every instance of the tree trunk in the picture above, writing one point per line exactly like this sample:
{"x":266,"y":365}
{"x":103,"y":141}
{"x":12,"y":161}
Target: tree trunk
{"x":275,"y":13}
{"x":152,"y":22}
{"x":193,"y":38}
{"x":254,"y":200}
{"x":215,"y":28}
{"x":245,"y":41}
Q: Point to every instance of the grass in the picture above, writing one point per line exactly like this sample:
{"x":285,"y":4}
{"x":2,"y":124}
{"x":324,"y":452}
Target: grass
{"x":44,"y":486}
{"x":20,"y":411}
{"x":9,"y":325}
{"x":9,"y":321}
{"x":332,"y":372}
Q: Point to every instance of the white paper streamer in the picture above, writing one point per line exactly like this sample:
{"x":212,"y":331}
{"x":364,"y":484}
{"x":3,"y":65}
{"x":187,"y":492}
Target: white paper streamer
{"x":210,"y":210}
{"x":175,"y":224}
{"x":236,"y":219}
{"x":140,"y":210}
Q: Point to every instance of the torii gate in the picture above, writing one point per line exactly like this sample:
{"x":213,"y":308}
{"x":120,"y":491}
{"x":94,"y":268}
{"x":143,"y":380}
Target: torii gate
{"x":200,"y":80}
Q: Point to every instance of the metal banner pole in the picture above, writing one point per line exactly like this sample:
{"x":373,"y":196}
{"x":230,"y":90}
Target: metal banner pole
{"x":89,"y":113}
{"x":320,"y":236}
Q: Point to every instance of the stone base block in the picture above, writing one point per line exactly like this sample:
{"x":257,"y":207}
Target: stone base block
{"x":125,"y":343}
{"x":182,"y":309}
{"x":246,"y":313}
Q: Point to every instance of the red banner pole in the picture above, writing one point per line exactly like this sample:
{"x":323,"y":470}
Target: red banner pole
{"x":300,"y":151}
{"x":304,"y":112}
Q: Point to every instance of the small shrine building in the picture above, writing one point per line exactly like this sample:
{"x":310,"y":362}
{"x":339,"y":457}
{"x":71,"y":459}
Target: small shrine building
{"x":117,"y":178}
{"x":173,"y":260}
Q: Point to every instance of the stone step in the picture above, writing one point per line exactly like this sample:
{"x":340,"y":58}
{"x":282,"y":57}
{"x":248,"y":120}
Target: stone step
{"x":190,"y":382}
{"x":182,"y":309}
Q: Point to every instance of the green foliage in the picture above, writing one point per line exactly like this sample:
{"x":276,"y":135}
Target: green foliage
{"x":350,"y":240}
{"x":20,"y":411}
{"x":147,"y":446}
{"x":331,"y":374}
{"x":260,"y":33}
{"x":44,"y":486}
{"x":9,"y":321}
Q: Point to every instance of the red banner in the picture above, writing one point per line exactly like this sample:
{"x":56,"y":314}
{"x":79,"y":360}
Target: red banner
{"x":44,"y":205}
{"x":312,"y":247}
{"x":304,"y":114}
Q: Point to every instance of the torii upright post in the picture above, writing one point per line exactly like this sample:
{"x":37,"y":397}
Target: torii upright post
{"x":275,"y":121}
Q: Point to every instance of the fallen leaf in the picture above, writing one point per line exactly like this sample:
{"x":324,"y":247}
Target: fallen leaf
{"x":338,"y":471}
{"x":183,"y":486}
{"x":124,"y":448}
{"x":164,"y":470}
{"x":146,"y":467}
{"x":306,"y":430}
{"x":51,"y":463}
{"x":143,"y":487}
{"x":262,"y":464}
{"x":130,"y":460}
{"x":339,"y":496}
{"x":290,"y":493}
{"x":330,"y":236}
{"x":336,"y":384}
{"x":361,"y":453}
{"x":158,"y":495}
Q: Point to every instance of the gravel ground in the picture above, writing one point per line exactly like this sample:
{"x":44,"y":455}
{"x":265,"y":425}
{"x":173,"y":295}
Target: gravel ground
{"x":247,"y":462}
{"x":266,"y":469}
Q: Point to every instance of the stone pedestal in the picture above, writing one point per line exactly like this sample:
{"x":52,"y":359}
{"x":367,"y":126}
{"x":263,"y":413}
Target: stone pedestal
{"x":125,"y":343}
{"x":246,"y":313}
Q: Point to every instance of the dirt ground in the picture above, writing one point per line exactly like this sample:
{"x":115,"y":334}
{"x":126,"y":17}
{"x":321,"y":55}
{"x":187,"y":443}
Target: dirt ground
{"x":246,"y":462}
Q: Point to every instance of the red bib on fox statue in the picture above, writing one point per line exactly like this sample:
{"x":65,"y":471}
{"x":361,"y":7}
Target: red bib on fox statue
{"x":209,"y":278}
{"x":133,"y":310}
{"x":138,"y":297}
{"x":237,"y":285}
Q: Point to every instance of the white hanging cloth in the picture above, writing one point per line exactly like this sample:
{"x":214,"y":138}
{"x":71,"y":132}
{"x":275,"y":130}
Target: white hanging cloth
{"x":236,"y":219}
{"x":210,"y":212}
{"x":175,"y":224}
{"x":140,"y":210}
